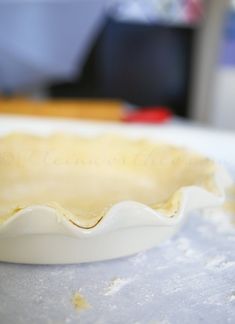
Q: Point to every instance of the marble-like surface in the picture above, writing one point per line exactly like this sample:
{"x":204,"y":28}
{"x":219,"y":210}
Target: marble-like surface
{"x":189,"y":279}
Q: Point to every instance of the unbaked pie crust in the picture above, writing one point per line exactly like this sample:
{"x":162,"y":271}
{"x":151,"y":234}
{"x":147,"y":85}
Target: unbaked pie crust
{"x":82,"y":178}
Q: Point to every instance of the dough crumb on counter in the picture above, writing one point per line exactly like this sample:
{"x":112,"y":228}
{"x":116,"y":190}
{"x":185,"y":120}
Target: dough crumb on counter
{"x":79,"y":302}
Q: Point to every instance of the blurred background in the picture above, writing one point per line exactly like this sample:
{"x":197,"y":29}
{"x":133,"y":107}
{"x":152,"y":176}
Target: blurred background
{"x":132,"y":60}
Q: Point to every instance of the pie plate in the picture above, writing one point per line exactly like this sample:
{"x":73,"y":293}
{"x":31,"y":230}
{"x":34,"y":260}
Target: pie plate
{"x":42,"y":232}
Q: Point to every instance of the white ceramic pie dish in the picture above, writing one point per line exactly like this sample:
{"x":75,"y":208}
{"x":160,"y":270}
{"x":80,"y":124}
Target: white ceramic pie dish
{"x":39,"y":234}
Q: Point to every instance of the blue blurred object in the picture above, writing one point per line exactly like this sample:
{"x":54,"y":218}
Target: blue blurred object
{"x":48,"y":41}
{"x":42,"y":41}
{"x":228,"y":41}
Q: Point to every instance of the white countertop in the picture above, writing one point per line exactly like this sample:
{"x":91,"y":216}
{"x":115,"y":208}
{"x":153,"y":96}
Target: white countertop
{"x":189,"y":279}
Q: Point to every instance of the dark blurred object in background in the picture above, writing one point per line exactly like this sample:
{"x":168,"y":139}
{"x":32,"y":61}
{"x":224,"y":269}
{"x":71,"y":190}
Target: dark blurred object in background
{"x":145,"y":64}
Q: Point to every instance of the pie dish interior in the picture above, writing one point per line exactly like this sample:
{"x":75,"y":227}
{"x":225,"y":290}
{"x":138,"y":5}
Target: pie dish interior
{"x":82,"y":178}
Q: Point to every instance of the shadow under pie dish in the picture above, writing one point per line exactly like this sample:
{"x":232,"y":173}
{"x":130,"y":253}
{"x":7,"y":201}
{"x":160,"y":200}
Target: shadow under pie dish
{"x":67,"y":199}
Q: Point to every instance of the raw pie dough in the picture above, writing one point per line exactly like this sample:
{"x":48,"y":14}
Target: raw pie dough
{"x":83,"y":177}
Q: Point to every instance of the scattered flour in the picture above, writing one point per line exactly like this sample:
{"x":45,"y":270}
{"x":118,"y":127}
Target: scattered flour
{"x":232,"y":297}
{"x":116,"y":285}
{"x":222,"y":221}
{"x":219,"y":262}
{"x":215,"y":262}
{"x":138,"y":258}
{"x":214,"y":300}
{"x":184,"y":245}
